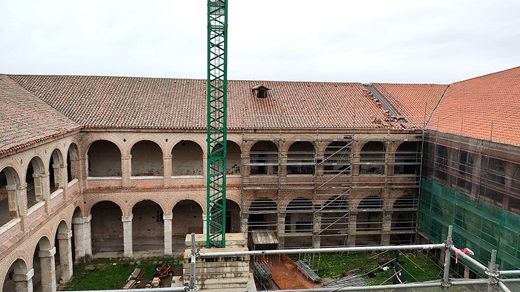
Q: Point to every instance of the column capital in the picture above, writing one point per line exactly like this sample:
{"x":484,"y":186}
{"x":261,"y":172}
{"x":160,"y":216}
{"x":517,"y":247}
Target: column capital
{"x":127,"y":218}
{"x":23,"y":277}
{"x":81,"y":220}
{"x":65,"y":235}
{"x":47,"y":253}
{"x":167,"y":216}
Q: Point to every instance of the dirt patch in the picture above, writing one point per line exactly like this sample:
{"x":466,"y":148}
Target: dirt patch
{"x":285,"y":273}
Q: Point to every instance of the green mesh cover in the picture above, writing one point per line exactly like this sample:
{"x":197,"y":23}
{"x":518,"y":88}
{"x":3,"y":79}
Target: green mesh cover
{"x":476,"y":224}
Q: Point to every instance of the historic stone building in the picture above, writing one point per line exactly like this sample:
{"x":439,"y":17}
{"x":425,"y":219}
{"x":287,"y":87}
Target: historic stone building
{"x":116,"y":166}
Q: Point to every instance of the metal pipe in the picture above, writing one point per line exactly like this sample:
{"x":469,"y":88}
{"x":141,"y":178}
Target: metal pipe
{"x":168,"y":289}
{"x":447,"y":259}
{"x":492,"y":273}
{"x":320,"y":250}
{"x":457,"y":282}
{"x":468,"y":258}
{"x":503,"y":287}
{"x":193,"y":260}
{"x":365,"y":288}
{"x":509,"y":273}
{"x":514,"y":280}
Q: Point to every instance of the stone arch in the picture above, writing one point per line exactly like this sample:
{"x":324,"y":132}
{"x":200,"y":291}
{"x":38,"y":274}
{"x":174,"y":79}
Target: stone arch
{"x":370,"y":219}
{"x":104,"y":159}
{"x":56,"y":171}
{"x":35,"y":178}
{"x":187,"y":158}
{"x":187,"y":217}
{"x":372,"y":158}
{"x":404,"y":219}
{"x":106,"y":227}
{"x":44,"y":265}
{"x":232,"y":216}
{"x":147,"y":159}
{"x":263,"y":214}
{"x":15,"y":278}
{"x":301,"y":158}
{"x":298,"y":215}
{"x":441,"y":162}
{"x":334,"y":221}
{"x":337,"y":159}
{"x":263,"y":158}
{"x":73,"y":165}
{"x":9,"y":195}
{"x":64,"y":252}
{"x":147,"y":226}
{"x":465,"y":170}
{"x":516,"y":180}
{"x":233,"y":158}
{"x":407,"y":158}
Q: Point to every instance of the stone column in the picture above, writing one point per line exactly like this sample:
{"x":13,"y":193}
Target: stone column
{"x":127,"y":236}
{"x":283,"y":164}
{"x":48,"y":270}
{"x":243,"y":225}
{"x":386,"y":228}
{"x":23,"y":282}
{"x":126,"y":170}
{"x":280,"y":228}
{"x":356,"y":158}
{"x":82,"y":237}
{"x":21,"y":199}
{"x":168,"y":247}
{"x":12,"y":198}
{"x":476,"y":173}
{"x":352,"y":227}
{"x":204,"y":224}
{"x":82,"y":171}
{"x":316,"y":231}
{"x":167,"y":170}
{"x":79,"y":238}
{"x":87,"y":235}
{"x":390,"y":160}
{"x":65,"y":246}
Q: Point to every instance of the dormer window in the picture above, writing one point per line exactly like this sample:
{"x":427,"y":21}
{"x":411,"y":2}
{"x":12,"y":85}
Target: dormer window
{"x":260,"y":91}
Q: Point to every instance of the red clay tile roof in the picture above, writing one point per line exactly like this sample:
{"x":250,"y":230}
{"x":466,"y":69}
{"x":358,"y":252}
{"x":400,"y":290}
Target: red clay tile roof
{"x":25,"y":119}
{"x":158,"y":103}
{"x":486,"y":107}
{"x":415,"y":102}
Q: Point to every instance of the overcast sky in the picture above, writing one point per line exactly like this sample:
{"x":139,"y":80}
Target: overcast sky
{"x":440,"y":41}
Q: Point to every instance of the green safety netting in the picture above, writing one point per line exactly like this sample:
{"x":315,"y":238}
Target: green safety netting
{"x":476,"y":224}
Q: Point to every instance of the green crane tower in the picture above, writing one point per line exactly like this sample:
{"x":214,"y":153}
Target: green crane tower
{"x":216,"y":124}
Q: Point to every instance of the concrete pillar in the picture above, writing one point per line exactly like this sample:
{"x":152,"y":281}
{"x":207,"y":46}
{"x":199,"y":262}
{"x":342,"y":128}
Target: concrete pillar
{"x":66,"y":265}
{"x":48,"y":270}
{"x":23,"y":282}
{"x":316,"y":231}
{"x":386,"y":228}
{"x":168,"y":247}
{"x":126,"y":170}
{"x":167,"y":170}
{"x":127,"y":236}
{"x":280,"y":229}
{"x":352,"y":227}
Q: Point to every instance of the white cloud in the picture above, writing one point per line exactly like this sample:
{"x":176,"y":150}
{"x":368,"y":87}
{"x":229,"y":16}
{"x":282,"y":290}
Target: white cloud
{"x":335,"y":40}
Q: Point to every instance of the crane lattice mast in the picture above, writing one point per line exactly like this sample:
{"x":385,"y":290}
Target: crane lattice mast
{"x":216,"y":123}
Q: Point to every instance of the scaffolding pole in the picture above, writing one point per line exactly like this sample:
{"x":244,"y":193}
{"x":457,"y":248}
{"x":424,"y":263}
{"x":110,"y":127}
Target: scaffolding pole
{"x":322,"y":250}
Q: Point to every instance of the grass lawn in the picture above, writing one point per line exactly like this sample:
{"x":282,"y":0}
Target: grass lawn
{"x":417,"y":266}
{"x":105,"y":274}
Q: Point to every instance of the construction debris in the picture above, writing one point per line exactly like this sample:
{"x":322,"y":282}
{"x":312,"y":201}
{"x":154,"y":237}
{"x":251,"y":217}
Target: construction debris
{"x":262,"y":275}
{"x":308,"y":272}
